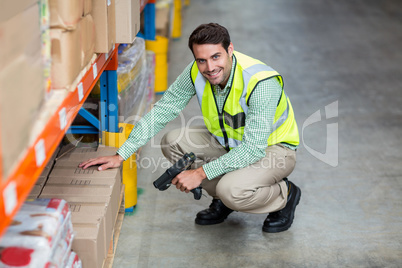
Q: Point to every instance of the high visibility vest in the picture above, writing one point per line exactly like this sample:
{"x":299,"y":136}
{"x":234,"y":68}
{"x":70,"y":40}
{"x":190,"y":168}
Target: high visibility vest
{"x":228,"y":126}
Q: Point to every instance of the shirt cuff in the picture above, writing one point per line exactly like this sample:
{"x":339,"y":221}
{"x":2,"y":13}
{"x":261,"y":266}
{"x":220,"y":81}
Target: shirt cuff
{"x":212,"y":170}
{"x":123,"y":153}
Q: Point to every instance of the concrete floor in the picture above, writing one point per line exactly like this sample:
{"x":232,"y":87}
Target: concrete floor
{"x":342,"y":65}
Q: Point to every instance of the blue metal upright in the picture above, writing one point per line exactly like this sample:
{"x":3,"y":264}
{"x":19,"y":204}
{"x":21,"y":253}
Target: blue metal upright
{"x":149,"y":21}
{"x":109,"y":112}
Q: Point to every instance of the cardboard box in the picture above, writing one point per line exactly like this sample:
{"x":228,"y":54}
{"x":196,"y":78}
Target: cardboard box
{"x":20,"y":35}
{"x":41,"y":181}
{"x":109,"y":194}
{"x":66,"y":57}
{"x":110,"y":178}
{"x":103,"y":13}
{"x":90,"y":213}
{"x":87,"y":29}
{"x":127,"y":20}
{"x":62,"y":171}
{"x":65,"y":14}
{"x":78,"y":155}
{"x":89,"y":244}
{"x":10,"y":8}
{"x":87,"y":7}
{"x":80,"y":181}
{"x":21,"y":84}
{"x":163,"y":14}
{"x":35,"y":192}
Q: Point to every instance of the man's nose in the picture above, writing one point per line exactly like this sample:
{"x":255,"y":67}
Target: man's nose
{"x":210,"y":66}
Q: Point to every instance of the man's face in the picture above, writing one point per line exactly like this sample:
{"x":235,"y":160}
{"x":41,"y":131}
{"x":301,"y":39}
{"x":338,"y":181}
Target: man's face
{"x":214,"y":62}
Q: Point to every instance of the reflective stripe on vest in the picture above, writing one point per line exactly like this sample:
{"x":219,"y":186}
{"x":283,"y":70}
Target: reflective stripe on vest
{"x":200,"y":83}
{"x":247,"y":74}
{"x":232,"y":142}
{"x":283,"y":116}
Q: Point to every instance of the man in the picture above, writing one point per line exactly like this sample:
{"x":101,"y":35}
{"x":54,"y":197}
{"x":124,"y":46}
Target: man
{"x":247,"y":147}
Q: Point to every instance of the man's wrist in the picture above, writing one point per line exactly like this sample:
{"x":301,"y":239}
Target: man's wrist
{"x":121,"y":159}
{"x":201,"y":172}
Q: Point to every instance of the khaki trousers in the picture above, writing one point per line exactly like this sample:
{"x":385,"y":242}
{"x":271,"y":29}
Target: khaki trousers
{"x":257,"y":188}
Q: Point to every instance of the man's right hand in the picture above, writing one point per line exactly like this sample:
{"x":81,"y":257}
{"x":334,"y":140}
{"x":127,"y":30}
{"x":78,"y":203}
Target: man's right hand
{"x":106,"y":162}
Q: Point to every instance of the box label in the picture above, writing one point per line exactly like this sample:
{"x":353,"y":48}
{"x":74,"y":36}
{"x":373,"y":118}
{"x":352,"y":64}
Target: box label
{"x":10,"y":197}
{"x":40,"y":152}
{"x":80,"y":88}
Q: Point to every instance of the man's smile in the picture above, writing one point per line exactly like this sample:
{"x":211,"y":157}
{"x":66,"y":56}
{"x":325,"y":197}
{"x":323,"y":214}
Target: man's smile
{"x":214,"y":74}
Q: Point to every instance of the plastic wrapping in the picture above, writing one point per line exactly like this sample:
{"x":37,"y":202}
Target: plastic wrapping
{"x":134,"y":81}
{"x":151,"y":78}
{"x":39,"y":236}
{"x":131,"y":61}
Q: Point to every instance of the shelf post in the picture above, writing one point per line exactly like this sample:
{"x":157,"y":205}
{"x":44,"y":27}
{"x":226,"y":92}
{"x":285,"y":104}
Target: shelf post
{"x":149,"y":21}
{"x":109,"y":115}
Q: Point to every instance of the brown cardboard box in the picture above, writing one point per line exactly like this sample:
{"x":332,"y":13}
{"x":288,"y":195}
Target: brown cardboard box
{"x":66,"y":57}
{"x":163,"y":14}
{"x":87,"y":7}
{"x":103,"y":12}
{"x":93,"y":195}
{"x":90,"y":213}
{"x":78,"y":155}
{"x":89,"y":243}
{"x":127,"y":20}
{"x":20,"y":35}
{"x":21,"y":84}
{"x":65,"y":14}
{"x":94,"y":179}
{"x":80,"y":181}
{"x":79,"y":173}
{"x":87,"y":29}
{"x":35,"y":192}
{"x":109,"y":194}
{"x":41,"y":181}
{"x":10,"y":8}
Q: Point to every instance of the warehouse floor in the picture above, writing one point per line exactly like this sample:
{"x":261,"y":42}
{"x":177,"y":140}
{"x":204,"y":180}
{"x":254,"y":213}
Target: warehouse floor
{"x":342,"y":66}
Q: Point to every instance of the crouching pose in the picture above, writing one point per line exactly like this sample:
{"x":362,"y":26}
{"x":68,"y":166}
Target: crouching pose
{"x":247,"y":147}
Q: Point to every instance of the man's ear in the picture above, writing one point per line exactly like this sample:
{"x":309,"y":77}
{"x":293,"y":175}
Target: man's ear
{"x":230,"y":49}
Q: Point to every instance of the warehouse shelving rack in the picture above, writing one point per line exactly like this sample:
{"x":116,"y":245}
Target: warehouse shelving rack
{"x":15,"y":188}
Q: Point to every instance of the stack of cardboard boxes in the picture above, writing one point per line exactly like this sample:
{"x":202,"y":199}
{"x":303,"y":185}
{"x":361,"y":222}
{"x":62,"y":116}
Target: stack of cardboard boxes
{"x":41,"y":181}
{"x":72,"y":35}
{"x":78,"y":30}
{"x":21,"y":78}
{"x":93,"y":197}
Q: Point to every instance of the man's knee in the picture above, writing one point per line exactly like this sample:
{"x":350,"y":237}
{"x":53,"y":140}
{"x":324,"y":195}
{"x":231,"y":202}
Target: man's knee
{"x":232,"y":196}
{"x":169,"y":145}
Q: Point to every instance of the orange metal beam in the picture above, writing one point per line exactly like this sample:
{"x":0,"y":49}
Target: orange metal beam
{"x":15,"y":189}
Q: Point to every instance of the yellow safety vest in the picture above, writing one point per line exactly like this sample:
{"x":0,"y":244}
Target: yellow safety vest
{"x":228,"y":127}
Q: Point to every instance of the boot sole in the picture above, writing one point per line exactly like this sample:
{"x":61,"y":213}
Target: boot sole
{"x":292,"y":215}
{"x":211,"y":222}
{"x":208,"y":222}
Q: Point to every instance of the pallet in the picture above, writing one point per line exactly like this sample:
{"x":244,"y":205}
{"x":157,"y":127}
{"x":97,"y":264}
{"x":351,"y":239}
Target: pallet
{"x":108,"y":263}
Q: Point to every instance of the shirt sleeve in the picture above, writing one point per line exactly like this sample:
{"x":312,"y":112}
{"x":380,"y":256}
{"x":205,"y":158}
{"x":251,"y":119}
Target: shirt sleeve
{"x":259,"y":122}
{"x":174,"y":100}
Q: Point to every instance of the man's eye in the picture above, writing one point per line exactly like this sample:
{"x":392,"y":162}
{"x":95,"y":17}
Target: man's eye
{"x":201,"y":61}
{"x":215,"y":57}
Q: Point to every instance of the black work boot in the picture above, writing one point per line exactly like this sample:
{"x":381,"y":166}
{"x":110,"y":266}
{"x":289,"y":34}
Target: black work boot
{"x":216,"y":213}
{"x":281,"y":220}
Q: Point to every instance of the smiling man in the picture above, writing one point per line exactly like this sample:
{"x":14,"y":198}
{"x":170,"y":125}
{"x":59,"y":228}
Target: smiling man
{"x":246,"y":148}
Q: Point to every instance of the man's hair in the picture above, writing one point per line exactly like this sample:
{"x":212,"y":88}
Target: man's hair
{"x":211,"y":33}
